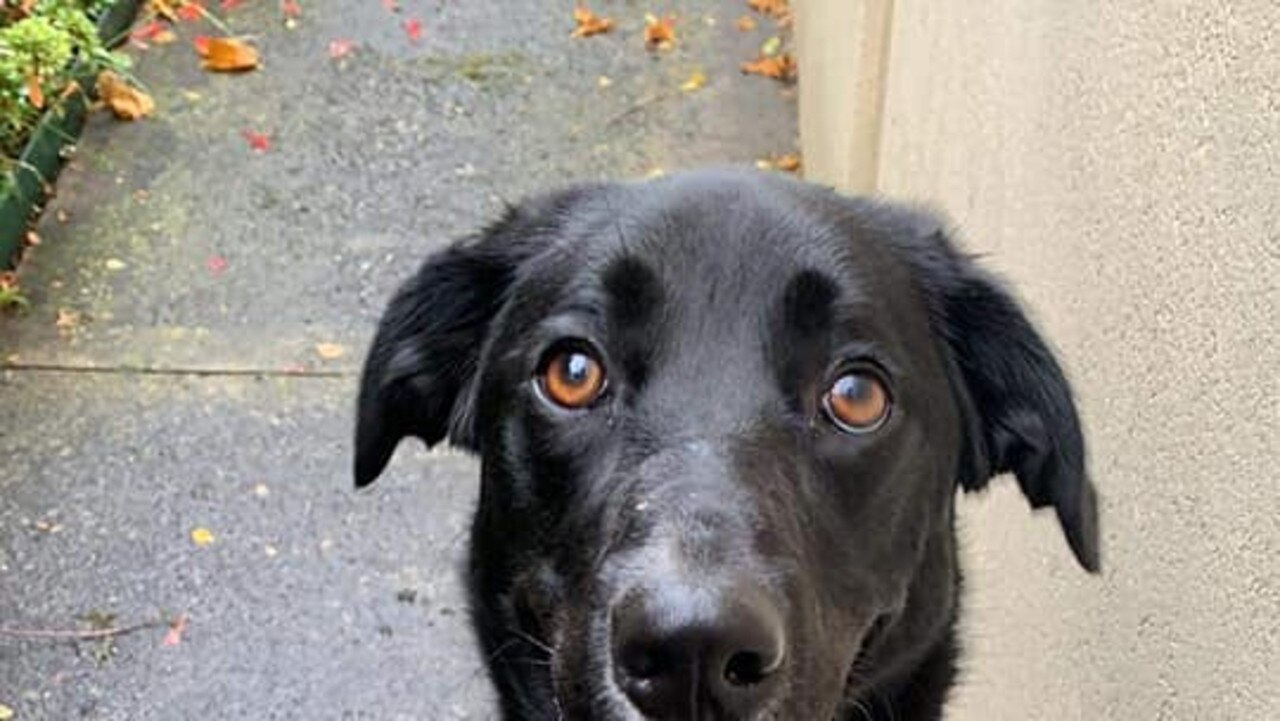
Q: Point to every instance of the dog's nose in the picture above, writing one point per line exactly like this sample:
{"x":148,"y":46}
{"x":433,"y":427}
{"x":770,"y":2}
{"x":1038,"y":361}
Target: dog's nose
{"x":681,"y":653}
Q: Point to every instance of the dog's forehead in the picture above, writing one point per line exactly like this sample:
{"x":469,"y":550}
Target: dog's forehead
{"x":707,"y":237}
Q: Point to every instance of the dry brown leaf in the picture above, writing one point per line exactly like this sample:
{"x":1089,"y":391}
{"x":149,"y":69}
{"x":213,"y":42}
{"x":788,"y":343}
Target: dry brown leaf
{"x":746,"y":23}
{"x":779,"y":67}
{"x":589,"y":23}
{"x":659,"y":33}
{"x":773,"y":8}
{"x":67,"y":319}
{"x":34,"y":92}
{"x":787,"y":162}
{"x":126,"y":101}
{"x":227,"y":55}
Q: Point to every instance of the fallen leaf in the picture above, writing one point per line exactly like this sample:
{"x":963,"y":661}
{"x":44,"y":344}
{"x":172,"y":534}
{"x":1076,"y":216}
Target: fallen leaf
{"x":148,"y":31}
{"x":260,"y":142}
{"x":772,"y":8}
{"x":228,"y":55}
{"x":588,"y":23}
{"x":330,"y":351}
{"x":6,"y":713}
{"x":126,"y":101}
{"x":230,"y":4}
{"x":697,"y":80}
{"x":165,"y":37}
{"x":201,"y":44}
{"x":340,"y":48}
{"x":746,"y":23}
{"x":62,"y":215}
{"x":163,"y":8}
{"x":34,"y":92}
{"x":771,"y":46}
{"x":787,"y":163}
{"x":270,"y":550}
{"x":115,"y":264}
{"x":413,"y":28}
{"x":659,"y":33}
{"x":778,"y":67}
{"x":67,"y":319}
{"x":216,"y":264}
{"x":192,"y":96}
{"x":391,"y":6}
{"x":291,"y":9}
{"x":177,"y":627}
{"x":261,"y":491}
{"x":31,"y":239}
{"x":202,"y":536}
{"x":190,"y":11}
{"x":604,"y":81}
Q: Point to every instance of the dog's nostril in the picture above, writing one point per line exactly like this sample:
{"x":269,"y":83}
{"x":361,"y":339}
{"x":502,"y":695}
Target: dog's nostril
{"x":644,"y":662}
{"x":746,"y":668}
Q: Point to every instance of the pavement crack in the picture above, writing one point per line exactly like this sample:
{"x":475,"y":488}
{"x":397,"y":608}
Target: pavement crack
{"x":188,"y":371}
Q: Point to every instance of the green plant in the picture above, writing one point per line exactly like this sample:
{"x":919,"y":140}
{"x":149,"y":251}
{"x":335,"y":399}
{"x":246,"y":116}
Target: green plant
{"x":37,"y":46}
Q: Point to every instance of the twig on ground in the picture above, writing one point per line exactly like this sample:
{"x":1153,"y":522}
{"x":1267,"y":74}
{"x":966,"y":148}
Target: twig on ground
{"x":88,"y":634}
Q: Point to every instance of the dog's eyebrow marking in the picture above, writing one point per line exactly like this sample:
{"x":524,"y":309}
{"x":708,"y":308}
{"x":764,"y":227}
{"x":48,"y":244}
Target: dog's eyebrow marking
{"x":808,"y":302}
{"x":634,"y":292}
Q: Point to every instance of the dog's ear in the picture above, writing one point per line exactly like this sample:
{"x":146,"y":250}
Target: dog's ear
{"x":1023,"y":407}
{"x":1016,"y":402}
{"x":429,"y":340}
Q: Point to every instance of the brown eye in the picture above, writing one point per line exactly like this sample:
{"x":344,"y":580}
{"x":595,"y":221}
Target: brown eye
{"x":571,"y":378}
{"x":857,"y":402}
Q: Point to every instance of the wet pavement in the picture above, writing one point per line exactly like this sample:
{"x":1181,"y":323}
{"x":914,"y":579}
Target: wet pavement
{"x":167,"y":376}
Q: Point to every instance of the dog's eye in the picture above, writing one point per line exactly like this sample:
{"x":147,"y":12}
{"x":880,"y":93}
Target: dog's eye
{"x":570,"y":377}
{"x":857,"y":402}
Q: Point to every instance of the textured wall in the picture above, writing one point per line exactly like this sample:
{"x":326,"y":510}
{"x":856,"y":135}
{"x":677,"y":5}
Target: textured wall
{"x":1120,"y":163}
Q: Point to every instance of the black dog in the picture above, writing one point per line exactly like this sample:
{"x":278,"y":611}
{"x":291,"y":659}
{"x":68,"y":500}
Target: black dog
{"x":722,"y":419}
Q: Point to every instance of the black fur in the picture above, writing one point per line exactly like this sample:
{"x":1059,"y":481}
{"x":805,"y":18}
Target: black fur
{"x":721,"y":306}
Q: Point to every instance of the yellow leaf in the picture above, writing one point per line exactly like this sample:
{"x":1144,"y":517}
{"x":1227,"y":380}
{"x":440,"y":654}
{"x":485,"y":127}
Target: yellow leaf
{"x":697,"y":79}
{"x":164,"y":10}
{"x":202,"y":536}
{"x":126,"y":101}
{"x":164,"y":37}
{"x":6,"y":713}
{"x":771,"y":46}
{"x":229,"y":55}
{"x":330,"y":351}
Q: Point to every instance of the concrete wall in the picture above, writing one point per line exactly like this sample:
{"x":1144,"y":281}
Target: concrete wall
{"x":1120,"y":163}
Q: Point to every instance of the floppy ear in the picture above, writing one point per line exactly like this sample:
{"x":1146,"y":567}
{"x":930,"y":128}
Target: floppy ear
{"x":1015,"y":402}
{"x":1020,"y":404}
{"x":429,"y":340}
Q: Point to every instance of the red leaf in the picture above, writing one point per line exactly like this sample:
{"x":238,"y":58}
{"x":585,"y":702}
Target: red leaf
{"x":413,"y":28}
{"x":340,"y":48}
{"x":230,"y":4}
{"x":190,"y":11}
{"x":291,"y":9}
{"x":201,"y":44}
{"x":216,"y":264}
{"x":260,"y":142}
{"x":148,"y":31}
{"x":176,"y":628}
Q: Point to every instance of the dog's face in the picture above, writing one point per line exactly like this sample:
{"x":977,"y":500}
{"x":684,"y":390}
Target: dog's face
{"x":722,"y":419}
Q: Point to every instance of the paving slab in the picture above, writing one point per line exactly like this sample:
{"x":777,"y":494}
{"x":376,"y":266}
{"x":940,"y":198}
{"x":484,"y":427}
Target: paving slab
{"x":183,"y":390}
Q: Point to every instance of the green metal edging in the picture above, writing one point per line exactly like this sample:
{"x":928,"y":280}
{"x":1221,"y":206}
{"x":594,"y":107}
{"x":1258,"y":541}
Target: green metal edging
{"x":41,"y":160}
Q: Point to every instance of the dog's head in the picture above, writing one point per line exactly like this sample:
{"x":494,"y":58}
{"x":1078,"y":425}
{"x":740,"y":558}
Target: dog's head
{"x":722,"y":419}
